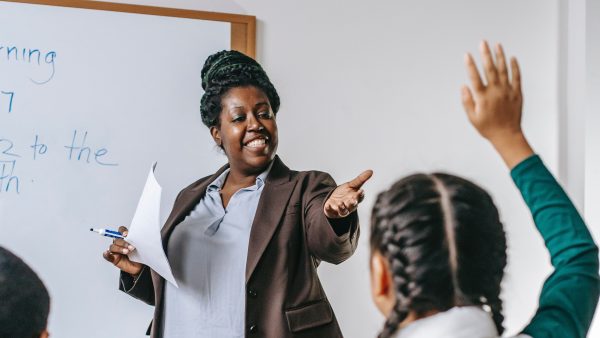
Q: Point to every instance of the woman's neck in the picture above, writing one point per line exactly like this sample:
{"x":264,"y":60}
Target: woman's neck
{"x":240,"y":180}
{"x":235,"y":181}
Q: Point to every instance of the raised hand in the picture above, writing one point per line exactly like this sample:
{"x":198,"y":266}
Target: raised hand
{"x":346,"y":197}
{"x":494,"y":107}
{"x":117,"y":255}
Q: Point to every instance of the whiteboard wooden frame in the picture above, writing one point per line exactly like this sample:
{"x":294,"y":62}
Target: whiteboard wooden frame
{"x":243,"y":27}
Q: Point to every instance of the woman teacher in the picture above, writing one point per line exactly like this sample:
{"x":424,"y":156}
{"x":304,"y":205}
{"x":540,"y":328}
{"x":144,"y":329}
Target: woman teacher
{"x":244,"y":243}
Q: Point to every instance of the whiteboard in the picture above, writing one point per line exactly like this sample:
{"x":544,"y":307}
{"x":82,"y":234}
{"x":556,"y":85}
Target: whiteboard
{"x":89,"y":99}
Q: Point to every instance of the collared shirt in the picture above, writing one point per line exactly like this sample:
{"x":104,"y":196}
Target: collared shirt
{"x":208,"y":253}
{"x":458,"y":322}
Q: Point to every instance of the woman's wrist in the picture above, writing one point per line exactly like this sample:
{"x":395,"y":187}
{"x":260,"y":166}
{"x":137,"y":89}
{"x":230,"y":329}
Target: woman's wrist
{"x":135,"y":276}
{"x":512,"y":147}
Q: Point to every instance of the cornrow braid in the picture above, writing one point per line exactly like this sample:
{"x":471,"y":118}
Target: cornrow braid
{"x":228,"y":69}
{"x":444,"y":244}
{"x":400,"y":280}
{"x":481,"y":242}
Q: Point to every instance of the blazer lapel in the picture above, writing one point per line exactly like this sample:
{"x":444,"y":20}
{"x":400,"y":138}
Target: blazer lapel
{"x":269,"y":211}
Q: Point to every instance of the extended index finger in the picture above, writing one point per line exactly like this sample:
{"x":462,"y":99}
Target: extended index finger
{"x":357,"y":182}
{"x":476,"y":81}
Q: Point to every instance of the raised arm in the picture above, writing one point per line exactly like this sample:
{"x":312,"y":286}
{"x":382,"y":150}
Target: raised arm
{"x":570,"y":295}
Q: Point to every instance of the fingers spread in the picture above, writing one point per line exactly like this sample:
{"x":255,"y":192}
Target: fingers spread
{"x":491,"y":73}
{"x":473,"y":73}
{"x":516,"y":75}
{"x":501,"y":61}
{"x":468,"y":102}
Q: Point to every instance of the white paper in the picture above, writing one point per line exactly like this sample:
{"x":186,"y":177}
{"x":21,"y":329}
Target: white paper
{"x":144,"y":231}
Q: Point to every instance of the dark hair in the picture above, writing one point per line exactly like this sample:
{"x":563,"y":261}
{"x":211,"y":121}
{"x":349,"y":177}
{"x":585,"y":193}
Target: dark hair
{"x":228,"y":69}
{"x":445,"y":245}
{"x":24,"y":300}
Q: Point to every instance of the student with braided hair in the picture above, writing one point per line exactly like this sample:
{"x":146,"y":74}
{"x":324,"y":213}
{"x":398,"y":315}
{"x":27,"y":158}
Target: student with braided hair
{"x":439,"y":248}
{"x":245,"y":242}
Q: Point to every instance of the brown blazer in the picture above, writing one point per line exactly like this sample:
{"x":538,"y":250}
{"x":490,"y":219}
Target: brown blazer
{"x":290,"y":236}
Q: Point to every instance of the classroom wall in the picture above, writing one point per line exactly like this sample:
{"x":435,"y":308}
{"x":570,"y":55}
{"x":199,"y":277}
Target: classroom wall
{"x":572,"y":98}
{"x":376,"y":85}
{"x":592,"y":136}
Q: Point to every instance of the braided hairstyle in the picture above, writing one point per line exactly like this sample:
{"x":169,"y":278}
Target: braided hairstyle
{"x":228,"y":69}
{"x":445,"y":246}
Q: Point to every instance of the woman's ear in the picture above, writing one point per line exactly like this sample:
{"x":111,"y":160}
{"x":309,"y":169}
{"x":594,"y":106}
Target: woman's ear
{"x":216,"y":135}
{"x":382,"y":289}
{"x":45,"y":334}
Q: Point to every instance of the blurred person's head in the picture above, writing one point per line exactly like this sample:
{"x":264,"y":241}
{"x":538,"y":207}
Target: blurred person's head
{"x":24,"y":300}
{"x":436,"y":243}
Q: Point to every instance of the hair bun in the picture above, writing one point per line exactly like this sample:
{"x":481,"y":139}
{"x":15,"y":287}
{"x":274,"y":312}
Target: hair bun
{"x":225,"y":63}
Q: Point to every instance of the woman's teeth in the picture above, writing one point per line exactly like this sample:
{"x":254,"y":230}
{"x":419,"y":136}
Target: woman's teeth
{"x":256,"y":143}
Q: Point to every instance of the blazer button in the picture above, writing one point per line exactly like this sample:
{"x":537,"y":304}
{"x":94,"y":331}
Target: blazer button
{"x":252,"y":328}
{"x":252,"y":293}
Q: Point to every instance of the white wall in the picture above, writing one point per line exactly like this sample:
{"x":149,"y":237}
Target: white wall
{"x":592,"y":136}
{"x":376,"y":85}
{"x":572,"y":96}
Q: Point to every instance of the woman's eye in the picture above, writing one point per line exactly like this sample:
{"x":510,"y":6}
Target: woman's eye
{"x":238,"y":118}
{"x":265,"y":115}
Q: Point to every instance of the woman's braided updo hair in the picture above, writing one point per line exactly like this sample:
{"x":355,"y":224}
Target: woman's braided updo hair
{"x":228,"y":69}
{"x":444,"y":243}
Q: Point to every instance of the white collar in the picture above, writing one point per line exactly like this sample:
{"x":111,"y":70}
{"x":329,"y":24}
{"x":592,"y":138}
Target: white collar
{"x":458,"y":322}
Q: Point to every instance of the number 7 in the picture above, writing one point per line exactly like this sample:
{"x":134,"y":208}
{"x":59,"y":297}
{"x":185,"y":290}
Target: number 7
{"x":10,"y":102}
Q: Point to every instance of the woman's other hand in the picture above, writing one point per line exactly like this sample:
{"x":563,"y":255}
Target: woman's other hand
{"x":346,"y":197}
{"x":117,"y":254}
{"x":494,"y":107}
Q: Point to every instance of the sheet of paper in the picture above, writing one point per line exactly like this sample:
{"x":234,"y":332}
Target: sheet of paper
{"x":144,"y":231}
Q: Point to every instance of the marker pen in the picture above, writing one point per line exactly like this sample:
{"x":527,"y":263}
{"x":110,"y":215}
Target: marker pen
{"x":108,"y":233}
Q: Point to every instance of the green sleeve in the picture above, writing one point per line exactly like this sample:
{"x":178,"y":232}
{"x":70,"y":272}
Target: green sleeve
{"x":570,"y":294}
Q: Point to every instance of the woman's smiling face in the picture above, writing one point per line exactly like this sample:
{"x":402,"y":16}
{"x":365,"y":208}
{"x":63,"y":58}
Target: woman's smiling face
{"x":247,"y":129}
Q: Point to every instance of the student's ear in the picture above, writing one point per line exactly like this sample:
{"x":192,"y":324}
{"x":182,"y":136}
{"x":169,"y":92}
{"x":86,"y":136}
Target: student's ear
{"x":45,"y":334}
{"x":382,"y":289}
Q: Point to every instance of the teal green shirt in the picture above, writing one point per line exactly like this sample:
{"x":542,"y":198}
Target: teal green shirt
{"x":570,"y":295}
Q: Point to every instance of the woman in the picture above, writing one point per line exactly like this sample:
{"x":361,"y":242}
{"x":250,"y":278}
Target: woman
{"x":245,"y":242}
{"x":439,"y":249}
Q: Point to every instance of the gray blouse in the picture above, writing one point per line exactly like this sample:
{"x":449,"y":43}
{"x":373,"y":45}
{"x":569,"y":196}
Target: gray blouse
{"x":208,"y":253}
